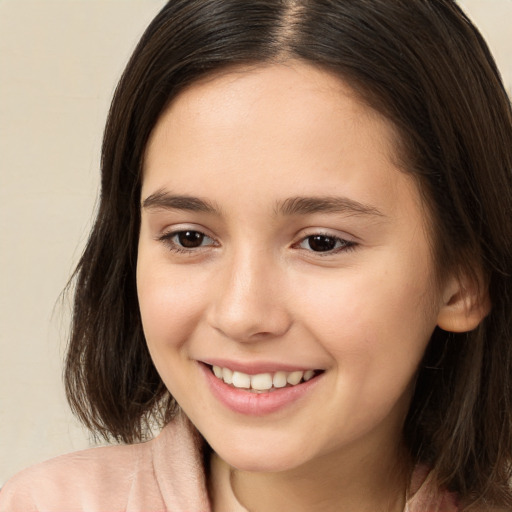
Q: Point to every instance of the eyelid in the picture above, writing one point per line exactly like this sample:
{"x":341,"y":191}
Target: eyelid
{"x":166,"y":235}
{"x":333,"y":233}
{"x":348,"y":242}
{"x":179,"y":228}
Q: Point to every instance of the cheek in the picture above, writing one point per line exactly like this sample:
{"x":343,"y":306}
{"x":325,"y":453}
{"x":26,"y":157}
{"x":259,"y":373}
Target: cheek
{"x":376,"y":331}
{"x":375,"y":325}
{"x":171,"y":306}
{"x":170,"y":303}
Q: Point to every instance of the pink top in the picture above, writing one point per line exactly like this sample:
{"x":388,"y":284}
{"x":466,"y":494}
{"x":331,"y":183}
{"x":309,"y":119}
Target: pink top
{"x":162,"y":475}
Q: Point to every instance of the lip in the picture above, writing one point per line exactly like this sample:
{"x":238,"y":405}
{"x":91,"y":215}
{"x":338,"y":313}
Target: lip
{"x":256,"y":404}
{"x":255,"y":367}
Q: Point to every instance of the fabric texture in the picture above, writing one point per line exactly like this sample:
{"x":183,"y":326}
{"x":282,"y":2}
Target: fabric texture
{"x":162,"y":475}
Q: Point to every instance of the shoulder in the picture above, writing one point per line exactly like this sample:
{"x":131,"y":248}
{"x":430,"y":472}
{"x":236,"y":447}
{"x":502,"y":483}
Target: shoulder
{"x":426,"y":496}
{"x":102,"y":475}
{"x":165,"y":473}
{"x":488,"y":508}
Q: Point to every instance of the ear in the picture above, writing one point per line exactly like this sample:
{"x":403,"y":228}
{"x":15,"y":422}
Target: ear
{"x":465,"y":304}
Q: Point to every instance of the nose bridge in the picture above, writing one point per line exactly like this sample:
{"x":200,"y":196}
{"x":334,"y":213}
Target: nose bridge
{"x":249,"y":302}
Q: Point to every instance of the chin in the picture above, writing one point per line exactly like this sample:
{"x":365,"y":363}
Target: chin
{"x":261,"y":457}
{"x":259,"y":463}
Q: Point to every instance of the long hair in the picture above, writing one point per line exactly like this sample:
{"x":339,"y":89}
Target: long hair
{"x":425,"y":67}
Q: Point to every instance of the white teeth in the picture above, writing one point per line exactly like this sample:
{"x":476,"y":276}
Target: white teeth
{"x":262,"y":381}
{"x":308,"y":375}
{"x":241,"y":380}
{"x":279,"y":380}
{"x":227,"y":375}
{"x":294,"y":377}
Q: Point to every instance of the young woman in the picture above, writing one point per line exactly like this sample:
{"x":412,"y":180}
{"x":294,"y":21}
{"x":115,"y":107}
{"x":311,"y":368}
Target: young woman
{"x":300,"y":268}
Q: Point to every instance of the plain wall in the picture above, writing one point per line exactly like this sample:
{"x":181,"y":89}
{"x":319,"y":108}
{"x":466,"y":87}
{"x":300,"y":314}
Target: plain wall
{"x":59,"y":63}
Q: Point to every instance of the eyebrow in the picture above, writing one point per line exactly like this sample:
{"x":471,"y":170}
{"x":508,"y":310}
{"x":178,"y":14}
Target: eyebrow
{"x":300,"y":205}
{"x":326,"y":204}
{"x":163,"y":200}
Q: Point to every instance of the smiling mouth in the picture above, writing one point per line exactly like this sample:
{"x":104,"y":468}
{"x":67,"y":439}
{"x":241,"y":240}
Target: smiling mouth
{"x":263,"y":382}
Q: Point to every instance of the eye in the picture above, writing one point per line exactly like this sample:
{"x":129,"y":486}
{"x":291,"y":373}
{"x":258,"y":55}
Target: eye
{"x":189,"y":239}
{"x":186,"y":240}
{"x":325,"y":243}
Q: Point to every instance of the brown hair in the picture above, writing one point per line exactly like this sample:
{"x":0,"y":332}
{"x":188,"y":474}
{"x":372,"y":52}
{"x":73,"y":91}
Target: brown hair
{"x":424,"y":66}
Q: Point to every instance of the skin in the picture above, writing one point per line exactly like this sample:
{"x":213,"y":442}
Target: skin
{"x":245,"y":142}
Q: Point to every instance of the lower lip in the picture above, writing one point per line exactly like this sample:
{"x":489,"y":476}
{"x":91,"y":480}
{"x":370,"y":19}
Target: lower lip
{"x":256,"y":404}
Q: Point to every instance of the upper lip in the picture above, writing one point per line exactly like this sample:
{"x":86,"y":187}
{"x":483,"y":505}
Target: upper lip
{"x":256,"y":367}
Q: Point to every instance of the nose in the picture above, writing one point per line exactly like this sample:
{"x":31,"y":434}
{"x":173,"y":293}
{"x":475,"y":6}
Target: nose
{"x":250,"y":302}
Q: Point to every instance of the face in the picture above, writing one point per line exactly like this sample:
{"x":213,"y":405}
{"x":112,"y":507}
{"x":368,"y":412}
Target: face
{"x":284,"y":273}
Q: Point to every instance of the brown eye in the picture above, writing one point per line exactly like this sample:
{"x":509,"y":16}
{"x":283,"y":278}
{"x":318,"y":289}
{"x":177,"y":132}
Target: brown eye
{"x":321,"y":243}
{"x":186,"y":241}
{"x":325,"y":243}
{"x":190,"y":239}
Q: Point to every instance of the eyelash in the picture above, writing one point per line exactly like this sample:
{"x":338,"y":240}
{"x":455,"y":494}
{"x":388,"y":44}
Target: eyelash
{"x":167,"y":239}
{"x":345,"y":245}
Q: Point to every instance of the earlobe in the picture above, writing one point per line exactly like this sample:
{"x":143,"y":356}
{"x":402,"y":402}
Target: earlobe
{"x":465,"y":305}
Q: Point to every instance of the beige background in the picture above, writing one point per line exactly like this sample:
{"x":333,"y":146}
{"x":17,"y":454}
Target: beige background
{"x":59,"y":63}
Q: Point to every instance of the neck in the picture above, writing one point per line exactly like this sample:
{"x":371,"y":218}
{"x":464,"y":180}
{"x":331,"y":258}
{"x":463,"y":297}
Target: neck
{"x":329,"y":483}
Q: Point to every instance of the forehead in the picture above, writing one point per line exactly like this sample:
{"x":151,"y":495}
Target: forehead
{"x":280,"y":130}
{"x":275,"y":96}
